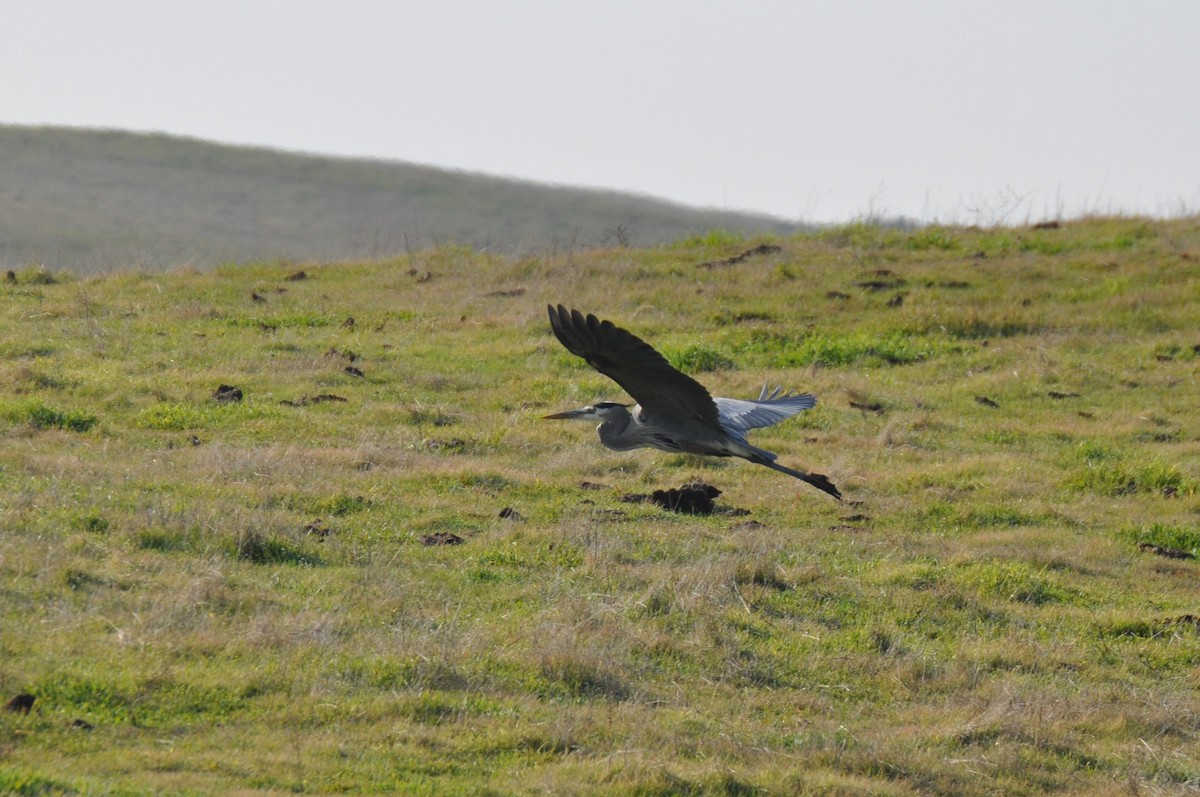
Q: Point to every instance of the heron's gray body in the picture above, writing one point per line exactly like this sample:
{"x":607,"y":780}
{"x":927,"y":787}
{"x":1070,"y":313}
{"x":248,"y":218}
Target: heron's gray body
{"x":674,"y":412}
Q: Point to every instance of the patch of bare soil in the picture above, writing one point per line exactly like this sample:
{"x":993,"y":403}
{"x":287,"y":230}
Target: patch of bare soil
{"x":442,"y":538}
{"x":1170,"y":553}
{"x":761,"y":249}
{"x":227,"y":394}
{"x":693,"y":498}
{"x":303,"y":400}
{"x":20,"y":704}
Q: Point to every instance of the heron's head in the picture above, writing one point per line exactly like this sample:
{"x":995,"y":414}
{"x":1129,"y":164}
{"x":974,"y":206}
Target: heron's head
{"x":600,"y":411}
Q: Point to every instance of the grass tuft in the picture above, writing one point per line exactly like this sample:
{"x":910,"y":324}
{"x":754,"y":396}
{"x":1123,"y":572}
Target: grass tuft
{"x":841,"y":350}
{"x":259,"y":548}
{"x":177,"y":417}
{"x":1014,"y":581}
{"x":578,"y":676}
{"x":1106,"y":470}
{"x":42,"y":416}
{"x":24,"y":784}
{"x":713,"y":238}
{"x":982,"y":325}
{"x":698,"y":359}
{"x":1173,"y":537}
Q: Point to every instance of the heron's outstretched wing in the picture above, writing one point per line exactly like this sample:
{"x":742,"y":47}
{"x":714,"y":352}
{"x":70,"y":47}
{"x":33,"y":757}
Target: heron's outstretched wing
{"x":769,"y":408}
{"x":634,"y":365}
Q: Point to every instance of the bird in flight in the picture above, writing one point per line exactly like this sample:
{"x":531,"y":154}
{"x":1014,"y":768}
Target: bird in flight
{"x":673,"y":412}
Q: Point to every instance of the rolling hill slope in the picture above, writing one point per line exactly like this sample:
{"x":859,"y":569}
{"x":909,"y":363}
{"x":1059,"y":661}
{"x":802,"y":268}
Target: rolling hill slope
{"x":88,"y":200}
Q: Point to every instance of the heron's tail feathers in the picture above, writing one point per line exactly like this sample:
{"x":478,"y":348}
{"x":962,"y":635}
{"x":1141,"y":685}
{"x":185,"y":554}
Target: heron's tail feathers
{"x":777,"y":393}
{"x":772,"y":406}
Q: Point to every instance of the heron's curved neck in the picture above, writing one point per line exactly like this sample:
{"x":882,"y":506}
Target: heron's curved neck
{"x":613,"y":432}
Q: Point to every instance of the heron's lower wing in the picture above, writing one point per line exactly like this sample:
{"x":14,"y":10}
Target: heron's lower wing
{"x":743,"y":415}
{"x":660,"y":389}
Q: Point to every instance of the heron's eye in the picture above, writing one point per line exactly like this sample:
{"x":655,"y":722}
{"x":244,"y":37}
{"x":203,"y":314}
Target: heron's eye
{"x":589,"y":408}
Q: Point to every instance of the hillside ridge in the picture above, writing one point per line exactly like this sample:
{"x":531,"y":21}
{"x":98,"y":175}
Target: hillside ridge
{"x":94,"y":200}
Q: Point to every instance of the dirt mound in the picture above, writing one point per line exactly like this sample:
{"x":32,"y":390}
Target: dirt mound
{"x":693,"y":498}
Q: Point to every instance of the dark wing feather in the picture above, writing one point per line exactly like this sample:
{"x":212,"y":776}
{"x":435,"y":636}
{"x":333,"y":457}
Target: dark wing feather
{"x":634,"y":365}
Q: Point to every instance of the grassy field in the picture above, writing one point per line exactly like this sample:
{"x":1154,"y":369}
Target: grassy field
{"x":223,"y":597}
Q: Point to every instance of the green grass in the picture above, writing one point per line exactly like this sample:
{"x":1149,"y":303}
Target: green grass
{"x":1179,"y":538}
{"x":236,"y":596}
{"x":697,"y":359}
{"x":42,"y":416}
{"x":841,"y":349}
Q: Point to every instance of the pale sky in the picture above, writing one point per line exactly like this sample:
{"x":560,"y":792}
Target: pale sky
{"x":946,"y":110}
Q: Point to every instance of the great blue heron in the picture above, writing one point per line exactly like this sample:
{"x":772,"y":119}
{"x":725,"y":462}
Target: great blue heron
{"x":674,"y":412}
